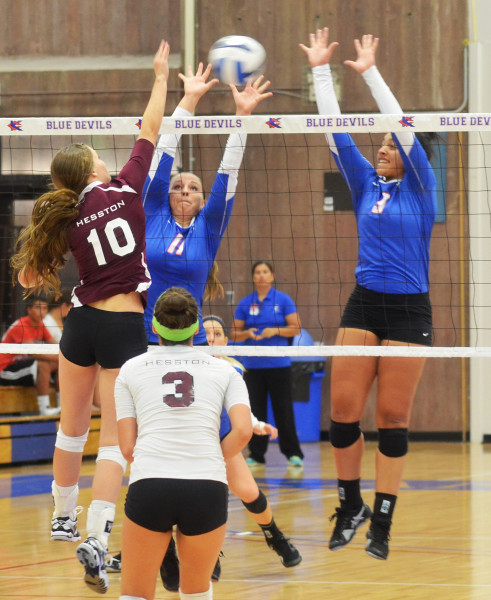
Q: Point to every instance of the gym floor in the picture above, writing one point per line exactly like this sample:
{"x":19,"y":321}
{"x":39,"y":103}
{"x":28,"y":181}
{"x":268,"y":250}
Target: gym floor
{"x":440,"y":546}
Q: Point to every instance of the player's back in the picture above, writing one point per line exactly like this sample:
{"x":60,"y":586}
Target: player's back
{"x":176,"y":394}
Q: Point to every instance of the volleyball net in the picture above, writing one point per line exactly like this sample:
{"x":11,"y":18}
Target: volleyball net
{"x":293,"y":209}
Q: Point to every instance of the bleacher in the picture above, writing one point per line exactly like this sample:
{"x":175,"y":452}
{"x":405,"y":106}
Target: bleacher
{"x":27,"y":437}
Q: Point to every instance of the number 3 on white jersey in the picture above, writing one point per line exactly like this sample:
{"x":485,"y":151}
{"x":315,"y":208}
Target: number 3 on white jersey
{"x":378,"y":209}
{"x":109,"y":231}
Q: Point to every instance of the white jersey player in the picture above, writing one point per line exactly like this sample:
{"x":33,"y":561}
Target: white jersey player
{"x":168,"y":404}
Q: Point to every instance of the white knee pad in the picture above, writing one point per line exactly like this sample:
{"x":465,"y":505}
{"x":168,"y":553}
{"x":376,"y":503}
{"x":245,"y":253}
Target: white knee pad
{"x":131,"y":598}
{"x":69,"y":443}
{"x":208,"y":595}
{"x":112,"y":453}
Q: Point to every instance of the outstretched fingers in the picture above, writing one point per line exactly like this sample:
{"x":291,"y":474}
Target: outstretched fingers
{"x":320,"y":51}
{"x":207,"y":72}
{"x":366,"y":49}
{"x":200,"y":74}
{"x":199,"y":71}
{"x":320,"y":37}
{"x":257,"y":82}
{"x":369,"y":42}
{"x":252,"y":94}
{"x":261,"y":86}
{"x":196,"y":83}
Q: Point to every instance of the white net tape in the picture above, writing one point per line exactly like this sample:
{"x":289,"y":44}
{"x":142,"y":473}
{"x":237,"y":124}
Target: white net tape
{"x":281,"y":124}
{"x":300,"y":351}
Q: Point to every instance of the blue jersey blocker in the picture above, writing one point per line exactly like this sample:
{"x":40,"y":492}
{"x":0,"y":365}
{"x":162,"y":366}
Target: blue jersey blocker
{"x":182,"y":256}
{"x":395,"y":218}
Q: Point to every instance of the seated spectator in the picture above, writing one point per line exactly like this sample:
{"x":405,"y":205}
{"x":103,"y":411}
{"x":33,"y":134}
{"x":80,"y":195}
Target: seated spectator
{"x":58,"y":310}
{"x":33,"y":369}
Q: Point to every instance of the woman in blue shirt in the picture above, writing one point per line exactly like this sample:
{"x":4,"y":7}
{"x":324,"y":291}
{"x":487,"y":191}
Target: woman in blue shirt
{"x":268,"y":317}
{"x":395,"y":205}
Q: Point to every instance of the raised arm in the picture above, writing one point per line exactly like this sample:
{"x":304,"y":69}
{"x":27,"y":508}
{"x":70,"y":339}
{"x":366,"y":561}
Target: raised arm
{"x":245,"y":102}
{"x":347,"y":156}
{"x":195,"y":86}
{"x":29,"y":278}
{"x":152,"y":117}
{"x":365,"y":64}
{"x":319,"y":55}
{"x":157,"y":184}
{"x":219,"y":206}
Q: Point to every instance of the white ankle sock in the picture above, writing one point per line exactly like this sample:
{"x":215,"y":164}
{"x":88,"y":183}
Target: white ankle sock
{"x":65,"y":499}
{"x":100,"y":519}
{"x":43,"y":402}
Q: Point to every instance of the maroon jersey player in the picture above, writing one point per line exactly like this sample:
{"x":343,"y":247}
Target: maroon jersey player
{"x":101,"y":221}
{"x":107,"y":239}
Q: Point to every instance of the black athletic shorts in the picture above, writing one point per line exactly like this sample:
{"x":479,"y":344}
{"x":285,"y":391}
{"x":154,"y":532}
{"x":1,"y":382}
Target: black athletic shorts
{"x":20,"y":372}
{"x":397,"y":317}
{"x":196,"y":506}
{"x":91,"y":335}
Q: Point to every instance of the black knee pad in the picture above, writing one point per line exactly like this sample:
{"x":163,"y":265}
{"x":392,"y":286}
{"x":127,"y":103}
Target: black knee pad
{"x":257,"y":506}
{"x":393,"y":442}
{"x":343,"y":435}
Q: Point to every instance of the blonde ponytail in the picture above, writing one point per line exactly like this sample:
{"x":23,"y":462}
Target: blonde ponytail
{"x":214,"y":289}
{"x":42,"y":245}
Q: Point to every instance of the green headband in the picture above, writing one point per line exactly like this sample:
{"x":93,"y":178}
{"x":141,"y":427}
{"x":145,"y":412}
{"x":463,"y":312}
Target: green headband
{"x":175,"y":335}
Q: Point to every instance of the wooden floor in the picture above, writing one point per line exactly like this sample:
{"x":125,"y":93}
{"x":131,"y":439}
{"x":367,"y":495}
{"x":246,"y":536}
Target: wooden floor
{"x":440,"y":547}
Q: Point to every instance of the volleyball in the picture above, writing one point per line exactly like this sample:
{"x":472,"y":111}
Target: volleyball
{"x":237,"y":59}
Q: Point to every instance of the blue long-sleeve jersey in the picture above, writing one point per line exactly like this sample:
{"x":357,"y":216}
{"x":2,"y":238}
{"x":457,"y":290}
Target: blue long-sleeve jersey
{"x":395,"y":218}
{"x":183,"y":256}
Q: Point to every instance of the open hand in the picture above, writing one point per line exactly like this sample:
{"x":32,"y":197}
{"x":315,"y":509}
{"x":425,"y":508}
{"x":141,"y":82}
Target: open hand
{"x":365,"y":50}
{"x":320,"y":51}
{"x":195,"y":84}
{"x":247,"y":99}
